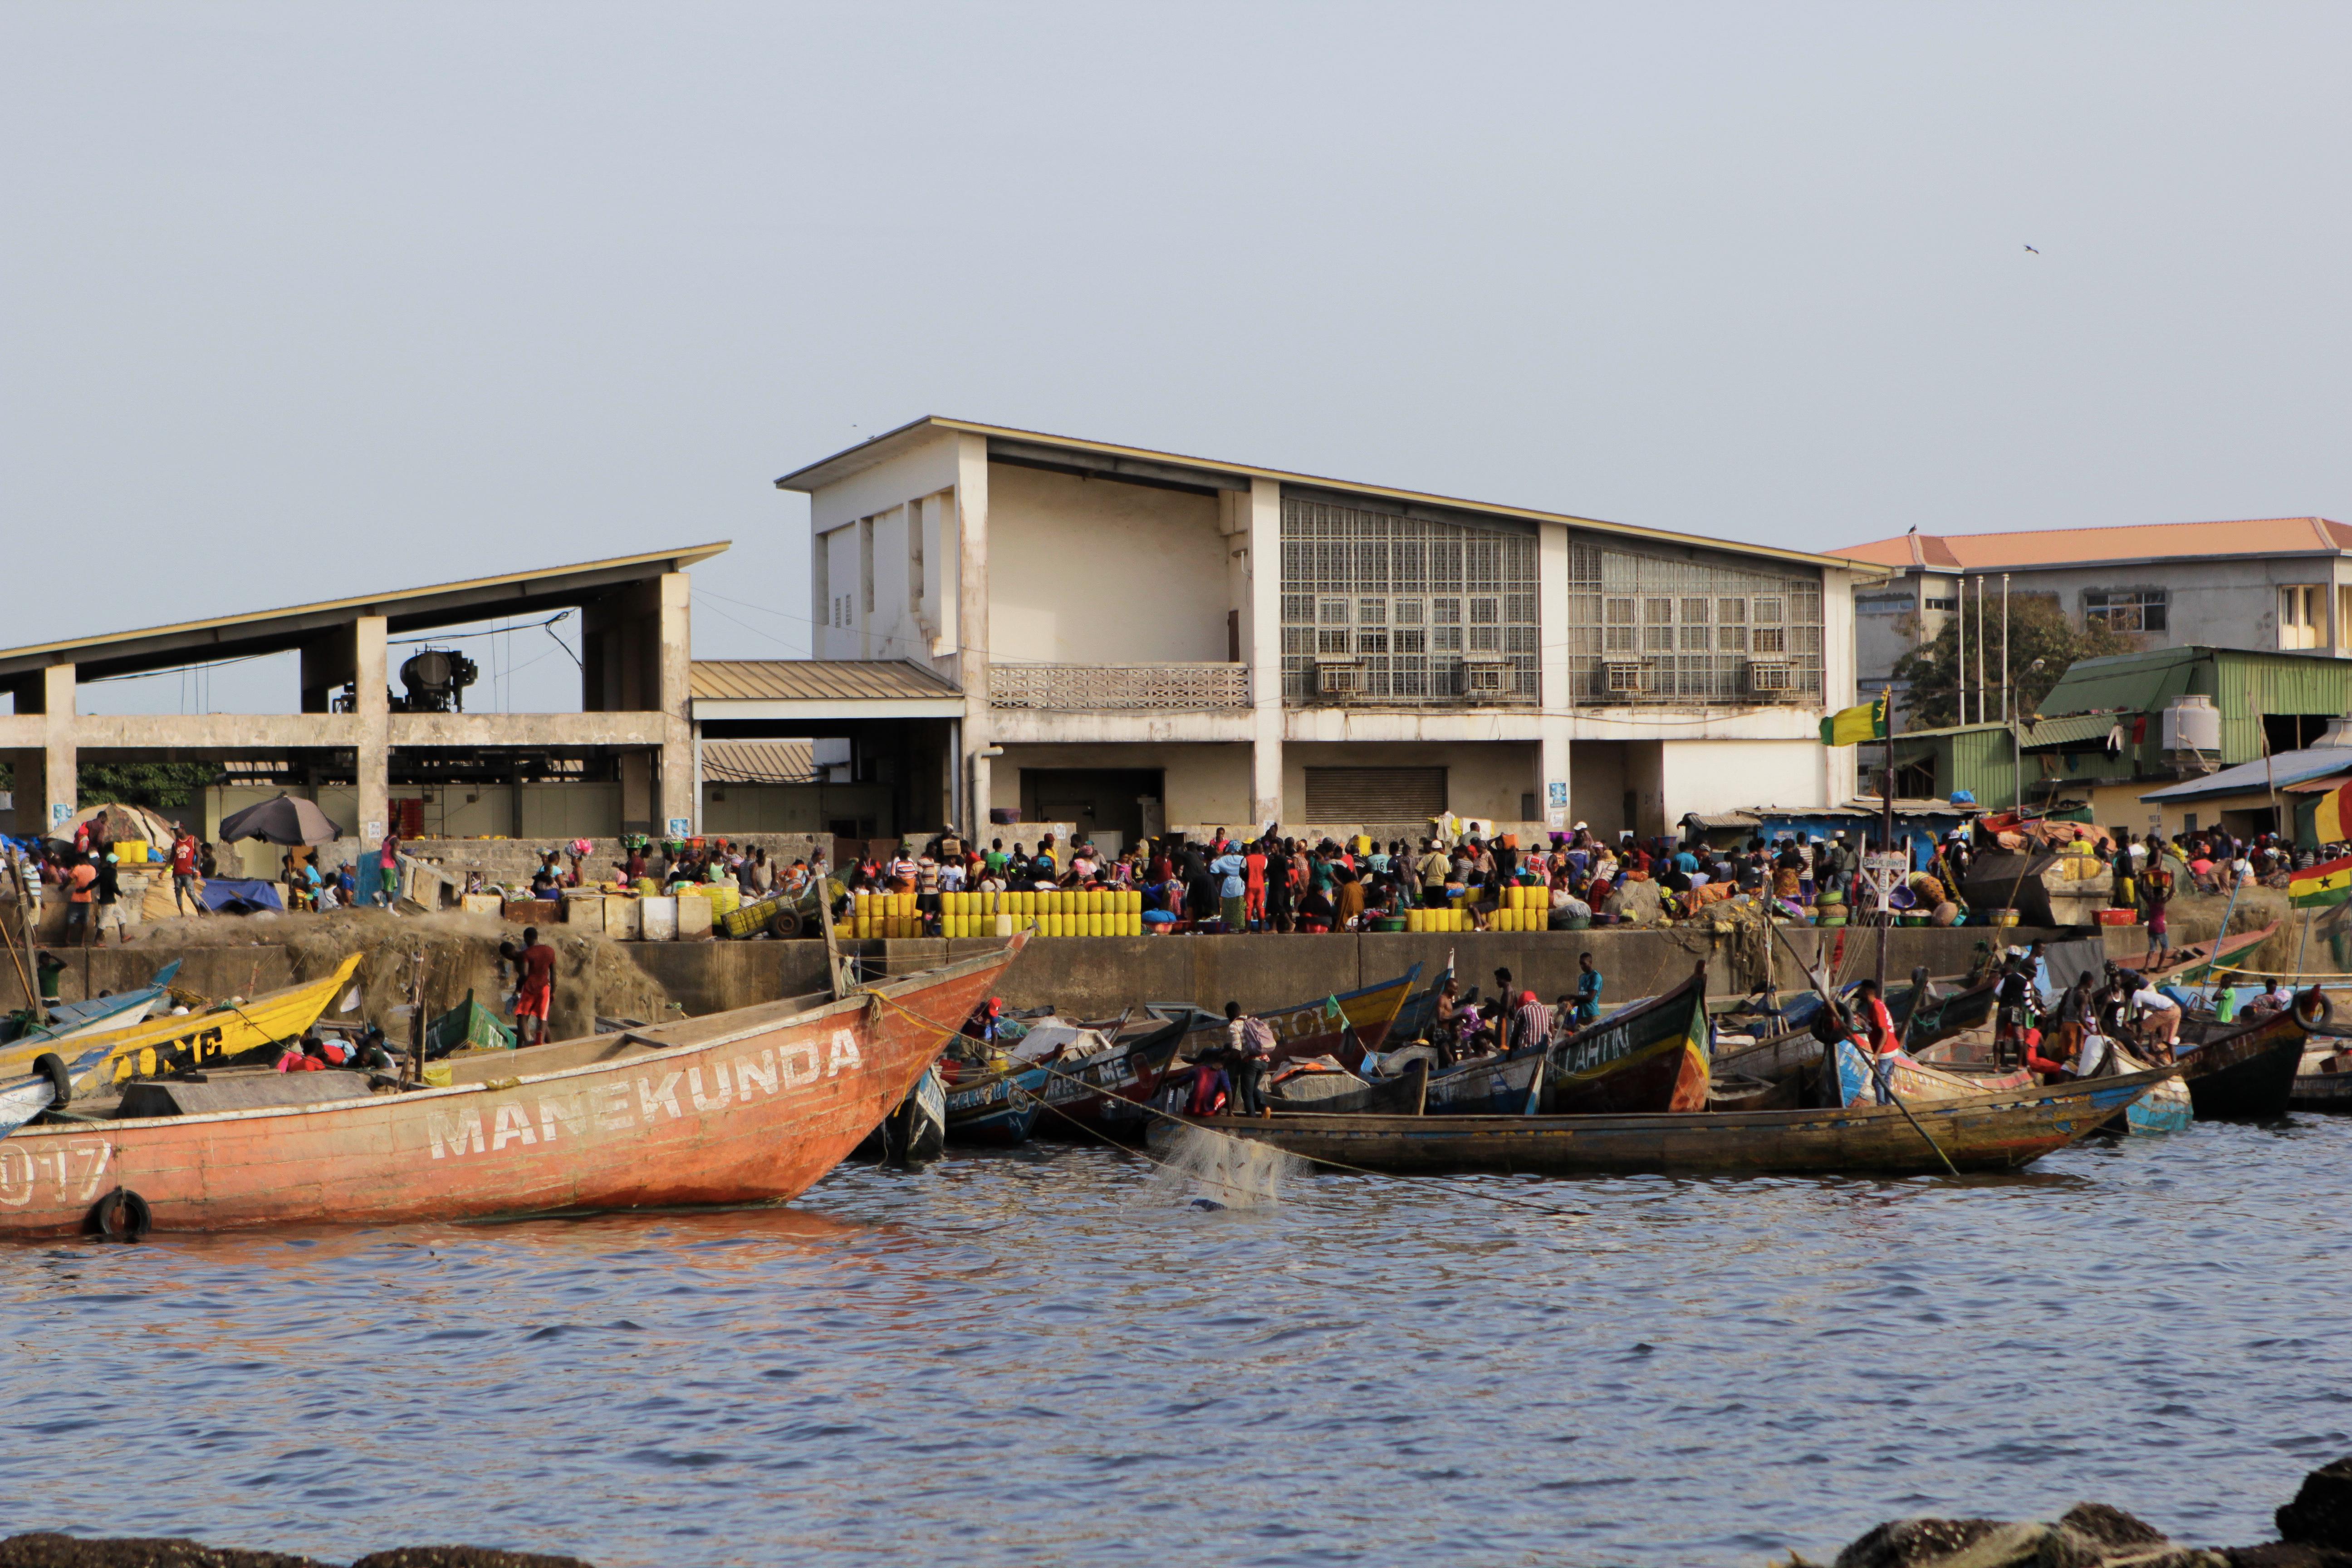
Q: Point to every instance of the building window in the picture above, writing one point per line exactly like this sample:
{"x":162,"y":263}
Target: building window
{"x":1684,"y":632}
{"x":2125,"y":610}
{"x":2303,"y":614}
{"x":1409,"y":597}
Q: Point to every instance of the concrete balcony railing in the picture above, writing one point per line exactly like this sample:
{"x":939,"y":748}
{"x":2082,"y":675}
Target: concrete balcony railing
{"x":1102,"y":687}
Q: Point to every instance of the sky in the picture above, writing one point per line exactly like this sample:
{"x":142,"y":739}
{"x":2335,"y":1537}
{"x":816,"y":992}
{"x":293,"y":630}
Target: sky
{"x":299,"y":301}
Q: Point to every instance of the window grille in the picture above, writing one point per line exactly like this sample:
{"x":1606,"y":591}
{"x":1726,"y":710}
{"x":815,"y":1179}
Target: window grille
{"x":1409,"y":598}
{"x":1649,"y":631}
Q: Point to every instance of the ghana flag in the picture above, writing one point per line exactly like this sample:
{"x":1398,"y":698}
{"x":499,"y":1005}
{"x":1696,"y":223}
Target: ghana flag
{"x":2321,"y":884}
{"x":1850,"y":726}
{"x":2333,"y":819}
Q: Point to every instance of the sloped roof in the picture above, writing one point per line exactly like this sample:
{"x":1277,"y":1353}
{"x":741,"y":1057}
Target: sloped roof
{"x":406,"y":609}
{"x":1149,"y":467}
{"x":814,"y":680}
{"x":2285,"y":768}
{"x":2088,"y":546}
{"x":759,"y":761}
{"x":2133,"y":682}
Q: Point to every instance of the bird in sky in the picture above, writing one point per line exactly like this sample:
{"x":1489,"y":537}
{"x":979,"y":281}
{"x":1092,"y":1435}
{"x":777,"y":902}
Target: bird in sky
{"x":2035,"y":252}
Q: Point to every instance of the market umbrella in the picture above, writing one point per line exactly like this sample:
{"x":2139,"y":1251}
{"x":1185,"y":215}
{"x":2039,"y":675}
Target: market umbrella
{"x":288,"y":819}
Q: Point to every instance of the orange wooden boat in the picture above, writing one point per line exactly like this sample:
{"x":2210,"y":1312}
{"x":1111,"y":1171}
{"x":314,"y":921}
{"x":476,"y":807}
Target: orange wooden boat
{"x":740,"y":1107}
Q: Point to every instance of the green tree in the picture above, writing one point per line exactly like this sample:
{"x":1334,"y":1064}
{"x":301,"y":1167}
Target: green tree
{"x":2037,"y":628}
{"x":159,"y":786}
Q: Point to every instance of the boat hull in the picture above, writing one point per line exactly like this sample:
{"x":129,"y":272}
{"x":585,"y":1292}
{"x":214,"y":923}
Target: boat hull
{"x":1981,"y":1132}
{"x":1104,"y":1095}
{"x":735,"y":1108}
{"x":1649,"y":1059}
{"x":2243,"y":1072}
{"x":200,"y":1040}
{"x":1503,"y":1085}
{"x":1001,"y":1109}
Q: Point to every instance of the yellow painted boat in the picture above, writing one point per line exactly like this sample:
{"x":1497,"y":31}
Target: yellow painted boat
{"x":202,"y":1037}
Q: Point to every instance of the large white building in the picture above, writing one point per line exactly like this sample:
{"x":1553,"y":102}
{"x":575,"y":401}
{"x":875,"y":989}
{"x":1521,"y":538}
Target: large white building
{"x":1142,"y":640}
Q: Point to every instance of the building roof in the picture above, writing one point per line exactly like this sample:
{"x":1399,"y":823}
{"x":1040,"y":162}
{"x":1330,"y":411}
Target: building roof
{"x":2136,"y":542}
{"x":814,"y":680}
{"x":407,"y":609}
{"x":2125,"y":682}
{"x":2072,"y":729}
{"x":1144,"y":465}
{"x":759,"y":761}
{"x":2284,"y":769}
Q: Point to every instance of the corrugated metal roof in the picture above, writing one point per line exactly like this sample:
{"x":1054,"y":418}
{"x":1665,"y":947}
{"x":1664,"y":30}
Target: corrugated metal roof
{"x":814,"y":680}
{"x":2137,"y":682}
{"x":407,"y":608}
{"x":2286,"y":768}
{"x":2124,"y":541}
{"x":759,"y":761}
{"x":2072,"y":728}
{"x":841,"y":464}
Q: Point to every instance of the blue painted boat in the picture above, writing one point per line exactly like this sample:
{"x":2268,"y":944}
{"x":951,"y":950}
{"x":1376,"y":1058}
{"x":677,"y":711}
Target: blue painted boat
{"x":1504,"y":1085}
{"x":72,"y":1020}
{"x":22,"y":1098}
{"x":996,"y":1107}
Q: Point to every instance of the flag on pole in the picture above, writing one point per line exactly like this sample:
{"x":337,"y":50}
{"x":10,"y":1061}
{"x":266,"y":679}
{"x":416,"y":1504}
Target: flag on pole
{"x":2321,"y":884}
{"x":2333,"y":820}
{"x":1851,"y":726}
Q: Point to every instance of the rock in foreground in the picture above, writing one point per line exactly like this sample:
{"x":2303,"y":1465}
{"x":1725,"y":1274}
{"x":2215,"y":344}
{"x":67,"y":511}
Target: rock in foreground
{"x":48,"y":1550}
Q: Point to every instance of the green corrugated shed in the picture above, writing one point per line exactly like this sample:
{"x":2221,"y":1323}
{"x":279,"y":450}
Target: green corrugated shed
{"x":2244,"y":684}
{"x":1972,"y":757}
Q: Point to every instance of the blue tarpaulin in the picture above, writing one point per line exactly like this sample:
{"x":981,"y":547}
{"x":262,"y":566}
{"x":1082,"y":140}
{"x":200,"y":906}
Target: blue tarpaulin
{"x":240,"y":896}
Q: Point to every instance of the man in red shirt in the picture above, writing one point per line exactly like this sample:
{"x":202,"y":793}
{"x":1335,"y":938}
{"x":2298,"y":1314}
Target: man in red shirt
{"x":1875,"y":1031}
{"x":184,"y":872}
{"x":535,"y":989}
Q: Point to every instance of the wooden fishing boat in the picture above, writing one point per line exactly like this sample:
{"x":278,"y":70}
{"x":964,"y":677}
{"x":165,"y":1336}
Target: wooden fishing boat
{"x":1650,"y":1058}
{"x":997,"y":1105}
{"x":1104,"y":1095}
{"x":1995,"y":1131}
{"x":1348,"y":1095}
{"x":1912,"y":1078}
{"x":1420,"y":1010}
{"x":79,"y":1020}
{"x":204,"y":1040}
{"x":738,"y":1107}
{"x":1504,"y":1084}
{"x":916,"y":1132}
{"x":2245,"y":1071}
{"x":50,"y":1084}
{"x":2194,"y":962}
{"x":2323,"y":1081}
{"x":1344,"y":1025}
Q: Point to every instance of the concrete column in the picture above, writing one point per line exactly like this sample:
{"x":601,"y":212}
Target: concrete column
{"x":1554,"y":809}
{"x":970,"y":500}
{"x":1838,"y":681}
{"x":675,"y":700}
{"x":1262,"y":647}
{"x":372,"y":755}
{"x":45,"y":780}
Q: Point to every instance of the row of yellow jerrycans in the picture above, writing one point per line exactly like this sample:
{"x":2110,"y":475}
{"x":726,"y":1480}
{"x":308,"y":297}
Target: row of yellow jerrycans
{"x":864,"y":927}
{"x":1072,"y":901}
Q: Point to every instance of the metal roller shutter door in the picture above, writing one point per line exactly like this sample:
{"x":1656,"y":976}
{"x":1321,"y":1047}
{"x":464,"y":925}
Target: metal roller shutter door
{"x":1374,"y":794}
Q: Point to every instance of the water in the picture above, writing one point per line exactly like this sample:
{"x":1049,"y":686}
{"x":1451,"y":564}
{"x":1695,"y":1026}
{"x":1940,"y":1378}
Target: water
{"x":1048,"y":1356}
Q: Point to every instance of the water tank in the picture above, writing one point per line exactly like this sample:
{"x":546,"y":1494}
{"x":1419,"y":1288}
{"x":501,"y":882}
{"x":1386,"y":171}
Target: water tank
{"x":2192,"y":724}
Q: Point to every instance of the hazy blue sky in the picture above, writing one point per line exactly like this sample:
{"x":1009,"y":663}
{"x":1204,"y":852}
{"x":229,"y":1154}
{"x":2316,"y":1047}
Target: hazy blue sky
{"x":304,"y":299}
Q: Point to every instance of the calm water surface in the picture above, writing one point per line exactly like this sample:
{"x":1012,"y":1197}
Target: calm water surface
{"x":1043,"y":1357}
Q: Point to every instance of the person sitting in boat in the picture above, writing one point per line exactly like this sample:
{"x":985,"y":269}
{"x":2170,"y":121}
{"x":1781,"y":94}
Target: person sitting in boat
{"x":2047,"y":1070}
{"x":2277,"y":999}
{"x":1211,"y":1088}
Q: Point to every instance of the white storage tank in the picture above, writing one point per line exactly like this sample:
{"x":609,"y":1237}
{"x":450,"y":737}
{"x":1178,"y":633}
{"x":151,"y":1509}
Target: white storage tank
{"x":2192,"y":724}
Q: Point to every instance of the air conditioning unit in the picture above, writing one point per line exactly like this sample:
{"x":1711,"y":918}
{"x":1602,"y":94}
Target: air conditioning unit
{"x":1626,"y":675}
{"x":1338,"y":677}
{"x":1771,"y":676}
{"x":1484,"y":677}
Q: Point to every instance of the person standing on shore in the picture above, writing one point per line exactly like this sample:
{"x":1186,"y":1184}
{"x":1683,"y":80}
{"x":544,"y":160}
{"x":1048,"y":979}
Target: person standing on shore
{"x":534,"y":964}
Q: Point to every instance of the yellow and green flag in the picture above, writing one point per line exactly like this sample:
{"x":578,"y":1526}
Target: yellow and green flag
{"x":2333,"y":820}
{"x":2321,"y":884}
{"x":1851,"y":726}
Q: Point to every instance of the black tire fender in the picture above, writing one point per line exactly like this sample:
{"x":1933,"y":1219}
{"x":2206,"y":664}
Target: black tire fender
{"x":122,"y":1215}
{"x":2313,"y":1010}
{"x":48,"y":1066}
